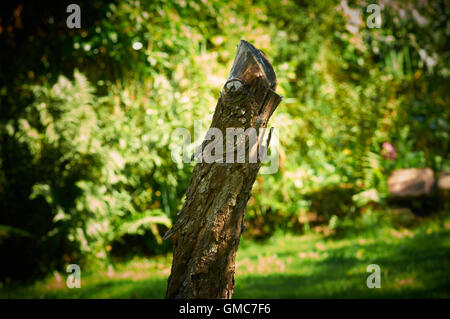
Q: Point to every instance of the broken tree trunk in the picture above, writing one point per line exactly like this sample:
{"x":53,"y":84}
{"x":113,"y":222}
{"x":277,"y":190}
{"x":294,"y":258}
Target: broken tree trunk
{"x":207,"y":232}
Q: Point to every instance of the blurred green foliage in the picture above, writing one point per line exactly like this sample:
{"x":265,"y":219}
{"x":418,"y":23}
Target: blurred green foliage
{"x":87,"y":115}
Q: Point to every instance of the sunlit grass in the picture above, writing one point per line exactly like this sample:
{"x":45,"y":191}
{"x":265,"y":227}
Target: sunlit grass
{"x":414,"y":263}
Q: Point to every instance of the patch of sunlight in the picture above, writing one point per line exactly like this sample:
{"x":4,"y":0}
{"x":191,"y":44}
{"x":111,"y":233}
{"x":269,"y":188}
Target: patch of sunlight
{"x":401,"y":234}
{"x":339,"y":244}
{"x":359,"y":254}
{"x":407,"y":282}
{"x":320,"y":246}
{"x":312,"y":255}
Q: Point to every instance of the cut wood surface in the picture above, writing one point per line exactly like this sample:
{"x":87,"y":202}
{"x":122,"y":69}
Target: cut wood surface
{"x":208,"y":228}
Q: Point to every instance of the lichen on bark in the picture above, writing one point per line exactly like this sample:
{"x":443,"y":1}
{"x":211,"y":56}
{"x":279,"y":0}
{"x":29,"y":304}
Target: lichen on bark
{"x":208,"y":228}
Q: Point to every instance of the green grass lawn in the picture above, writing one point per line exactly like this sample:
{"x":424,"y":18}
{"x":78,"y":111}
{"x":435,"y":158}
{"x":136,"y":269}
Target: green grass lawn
{"x":414,"y":263}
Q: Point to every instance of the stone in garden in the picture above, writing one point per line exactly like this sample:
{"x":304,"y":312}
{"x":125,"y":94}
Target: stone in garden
{"x":411,"y":182}
{"x":443,"y":186}
{"x":444,"y":181}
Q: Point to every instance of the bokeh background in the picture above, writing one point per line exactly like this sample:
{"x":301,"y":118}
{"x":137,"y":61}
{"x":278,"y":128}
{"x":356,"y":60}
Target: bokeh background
{"x":86,"y":174}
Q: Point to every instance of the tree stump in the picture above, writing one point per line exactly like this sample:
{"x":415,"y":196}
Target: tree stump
{"x":207,"y":231}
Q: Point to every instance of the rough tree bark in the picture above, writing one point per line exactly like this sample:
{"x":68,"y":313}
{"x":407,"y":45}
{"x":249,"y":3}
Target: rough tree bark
{"x":207,"y":232}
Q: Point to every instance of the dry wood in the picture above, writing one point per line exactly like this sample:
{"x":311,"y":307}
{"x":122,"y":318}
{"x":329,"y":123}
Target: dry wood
{"x":207,"y":232}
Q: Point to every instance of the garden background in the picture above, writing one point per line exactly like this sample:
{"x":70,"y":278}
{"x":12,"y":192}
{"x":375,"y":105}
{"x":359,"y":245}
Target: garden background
{"x":86,"y":174}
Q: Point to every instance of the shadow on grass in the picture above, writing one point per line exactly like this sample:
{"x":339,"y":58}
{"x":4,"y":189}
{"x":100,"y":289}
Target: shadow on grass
{"x":119,"y":288}
{"x":126,"y":288}
{"x":410,"y":268}
{"x":416,"y":267}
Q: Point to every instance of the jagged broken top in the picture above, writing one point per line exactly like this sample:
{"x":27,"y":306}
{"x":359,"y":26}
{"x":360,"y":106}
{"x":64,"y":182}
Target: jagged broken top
{"x":250,"y":62}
